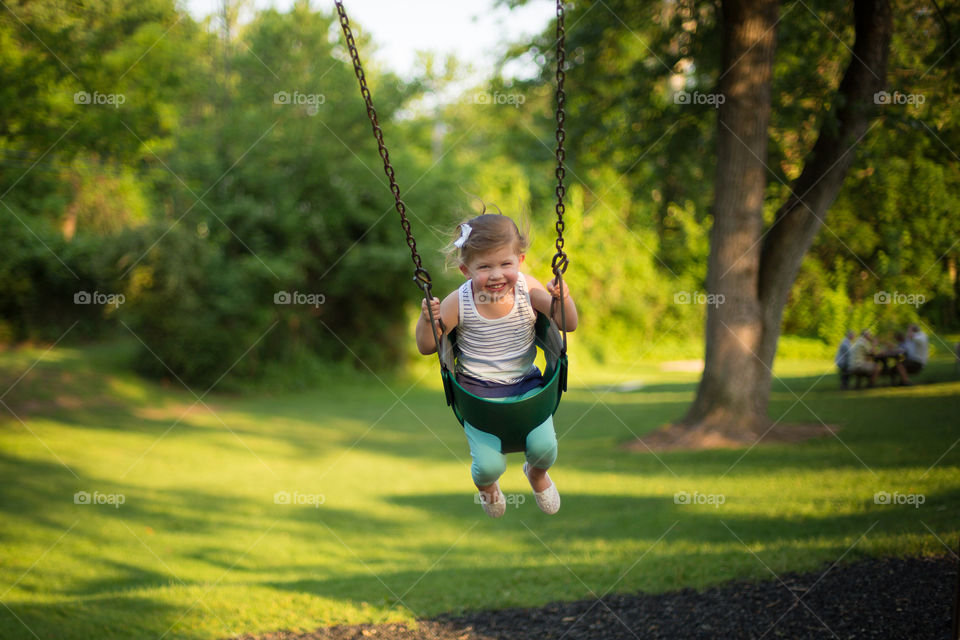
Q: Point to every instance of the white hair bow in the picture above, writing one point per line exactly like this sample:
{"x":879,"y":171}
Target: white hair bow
{"x":465,"y":230}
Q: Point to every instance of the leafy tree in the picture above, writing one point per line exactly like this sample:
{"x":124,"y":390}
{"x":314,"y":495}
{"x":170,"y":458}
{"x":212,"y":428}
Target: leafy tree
{"x":286,"y":194}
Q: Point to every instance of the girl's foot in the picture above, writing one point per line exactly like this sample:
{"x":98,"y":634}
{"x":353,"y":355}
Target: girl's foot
{"x":496,"y":507}
{"x":549,"y":499}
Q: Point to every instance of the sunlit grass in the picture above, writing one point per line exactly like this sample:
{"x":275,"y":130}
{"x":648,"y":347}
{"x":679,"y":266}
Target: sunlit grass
{"x":381,"y":522}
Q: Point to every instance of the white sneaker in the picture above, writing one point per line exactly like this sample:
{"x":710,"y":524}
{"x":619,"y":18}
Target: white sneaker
{"x":494,"y":509}
{"x":549,"y":499}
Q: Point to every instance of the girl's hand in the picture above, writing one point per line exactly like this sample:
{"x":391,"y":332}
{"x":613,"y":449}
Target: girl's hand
{"x":435,"y":305}
{"x":552,"y":289}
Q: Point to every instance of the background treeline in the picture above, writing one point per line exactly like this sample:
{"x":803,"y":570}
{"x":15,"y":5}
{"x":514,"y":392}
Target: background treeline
{"x":199,"y":170}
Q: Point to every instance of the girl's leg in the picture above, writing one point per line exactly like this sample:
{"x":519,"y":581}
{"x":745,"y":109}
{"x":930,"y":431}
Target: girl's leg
{"x":488,"y":463}
{"x":541,"y":453}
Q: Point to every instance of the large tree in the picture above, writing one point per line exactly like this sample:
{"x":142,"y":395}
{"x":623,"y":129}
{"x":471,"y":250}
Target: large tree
{"x":753,"y":268}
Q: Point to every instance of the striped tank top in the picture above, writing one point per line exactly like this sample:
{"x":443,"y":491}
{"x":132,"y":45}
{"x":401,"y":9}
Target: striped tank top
{"x":500,"y":350}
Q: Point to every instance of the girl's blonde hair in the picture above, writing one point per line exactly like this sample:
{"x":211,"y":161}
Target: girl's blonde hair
{"x":488,"y":231}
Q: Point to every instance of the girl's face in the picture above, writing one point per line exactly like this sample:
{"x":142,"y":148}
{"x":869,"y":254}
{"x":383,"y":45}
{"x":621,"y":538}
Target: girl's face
{"x":494,"y":272}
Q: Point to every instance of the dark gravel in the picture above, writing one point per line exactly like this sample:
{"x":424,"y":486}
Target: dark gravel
{"x":898,"y":598}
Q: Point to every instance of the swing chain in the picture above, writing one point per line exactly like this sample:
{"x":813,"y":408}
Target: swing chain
{"x":560,"y":261}
{"x":420,"y":275}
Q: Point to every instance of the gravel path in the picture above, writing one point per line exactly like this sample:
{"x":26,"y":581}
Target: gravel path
{"x":897,"y":598}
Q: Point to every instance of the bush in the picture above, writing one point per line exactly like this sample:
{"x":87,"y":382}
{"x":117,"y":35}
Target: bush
{"x":47,"y":284}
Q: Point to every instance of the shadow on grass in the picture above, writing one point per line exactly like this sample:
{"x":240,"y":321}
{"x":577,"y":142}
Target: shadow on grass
{"x":121,"y":616}
{"x":591,"y":518}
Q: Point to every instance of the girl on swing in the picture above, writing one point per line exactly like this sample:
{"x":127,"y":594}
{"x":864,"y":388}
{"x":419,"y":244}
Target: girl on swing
{"x":495,"y":312}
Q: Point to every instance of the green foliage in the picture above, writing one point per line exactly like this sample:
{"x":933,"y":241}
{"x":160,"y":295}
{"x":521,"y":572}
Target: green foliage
{"x":93,"y":79}
{"x":884,"y":255}
{"x":40,"y":275}
{"x":191,"y":325}
{"x":294,"y":202}
{"x":203,"y":194}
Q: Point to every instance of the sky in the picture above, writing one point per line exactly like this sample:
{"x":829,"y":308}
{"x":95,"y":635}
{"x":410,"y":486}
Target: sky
{"x":475,"y":31}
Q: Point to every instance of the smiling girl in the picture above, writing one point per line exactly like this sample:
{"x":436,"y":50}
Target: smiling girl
{"x":495,"y":312}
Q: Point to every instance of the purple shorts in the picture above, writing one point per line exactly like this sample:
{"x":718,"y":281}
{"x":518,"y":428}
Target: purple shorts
{"x":488,"y":389}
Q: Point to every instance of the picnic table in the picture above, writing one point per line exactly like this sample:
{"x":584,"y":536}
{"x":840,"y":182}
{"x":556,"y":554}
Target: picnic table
{"x":888,"y":360}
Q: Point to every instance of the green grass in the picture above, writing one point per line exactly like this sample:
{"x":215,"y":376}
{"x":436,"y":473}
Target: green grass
{"x":200,"y":549}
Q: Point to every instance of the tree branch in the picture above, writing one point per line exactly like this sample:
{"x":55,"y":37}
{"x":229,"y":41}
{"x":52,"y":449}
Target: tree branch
{"x":800,"y":217}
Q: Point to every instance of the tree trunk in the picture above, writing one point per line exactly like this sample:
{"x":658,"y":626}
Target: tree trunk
{"x":68,"y":226}
{"x":725,"y":398}
{"x":754,"y":273}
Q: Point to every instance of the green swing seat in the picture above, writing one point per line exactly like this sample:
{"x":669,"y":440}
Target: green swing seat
{"x":509,"y":420}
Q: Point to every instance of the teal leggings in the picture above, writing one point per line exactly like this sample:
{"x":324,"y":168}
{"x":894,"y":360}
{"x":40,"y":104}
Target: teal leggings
{"x":489,"y":464}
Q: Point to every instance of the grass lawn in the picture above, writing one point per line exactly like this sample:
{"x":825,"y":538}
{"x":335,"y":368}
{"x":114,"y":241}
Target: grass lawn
{"x":353,"y":502}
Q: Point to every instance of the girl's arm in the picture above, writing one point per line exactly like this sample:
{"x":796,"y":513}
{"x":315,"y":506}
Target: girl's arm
{"x":448,"y":311}
{"x":541,"y":298}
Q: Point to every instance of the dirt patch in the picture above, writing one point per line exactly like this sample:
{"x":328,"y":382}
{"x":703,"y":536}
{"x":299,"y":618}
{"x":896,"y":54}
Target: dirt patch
{"x":675,"y":438}
{"x":875,"y":598}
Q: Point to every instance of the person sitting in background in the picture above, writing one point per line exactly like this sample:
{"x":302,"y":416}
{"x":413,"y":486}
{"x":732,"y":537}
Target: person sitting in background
{"x":842,"y":359}
{"x":900,"y":341}
{"x":916,"y":350}
{"x":862,"y":363}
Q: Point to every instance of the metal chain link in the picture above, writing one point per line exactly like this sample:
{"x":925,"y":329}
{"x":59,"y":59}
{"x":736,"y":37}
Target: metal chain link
{"x":420,"y":275}
{"x":560,"y":261}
